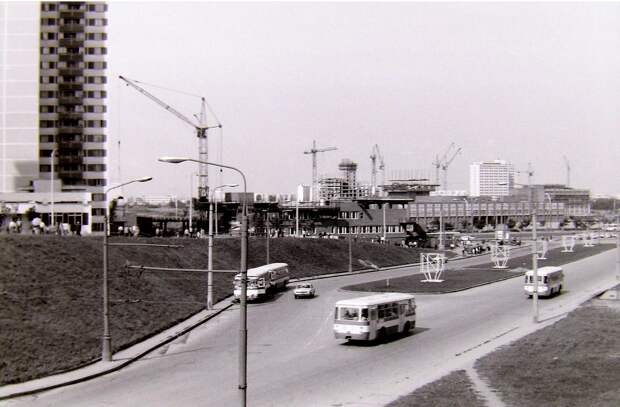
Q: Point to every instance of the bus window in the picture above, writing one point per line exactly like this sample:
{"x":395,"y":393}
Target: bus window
{"x":373,"y":314}
{"x":350,"y":314}
{"x":364,"y":314}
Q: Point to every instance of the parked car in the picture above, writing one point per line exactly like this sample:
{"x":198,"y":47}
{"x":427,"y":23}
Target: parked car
{"x":304,"y":290}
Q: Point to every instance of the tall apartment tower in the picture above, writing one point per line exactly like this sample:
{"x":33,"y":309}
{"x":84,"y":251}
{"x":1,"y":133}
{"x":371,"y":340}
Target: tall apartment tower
{"x":491,"y":178}
{"x":72,"y":108}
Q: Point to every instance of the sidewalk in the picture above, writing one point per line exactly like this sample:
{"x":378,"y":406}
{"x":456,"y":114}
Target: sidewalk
{"x":120,"y":359}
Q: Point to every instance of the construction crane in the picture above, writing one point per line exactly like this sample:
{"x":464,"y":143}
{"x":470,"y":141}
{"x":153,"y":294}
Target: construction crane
{"x":440,"y":160}
{"x":376,"y":153}
{"x":567,"y":163}
{"x":201,"y":132}
{"x":446,"y":164}
{"x":314,"y":151}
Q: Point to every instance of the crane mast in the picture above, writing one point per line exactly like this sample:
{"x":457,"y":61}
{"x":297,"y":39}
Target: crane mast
{"x":314,"y":151}
{"x":445,"y":166}
{"x":567,"y":163}
{"x":376,"y":153}
{"x":201,"y":133}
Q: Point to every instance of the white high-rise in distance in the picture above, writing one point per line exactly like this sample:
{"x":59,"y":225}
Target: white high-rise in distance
{"x":491,"y":178}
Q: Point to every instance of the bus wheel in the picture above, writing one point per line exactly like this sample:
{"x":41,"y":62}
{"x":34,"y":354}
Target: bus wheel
{"x":381,"y":335}
{"x":406,"y":328}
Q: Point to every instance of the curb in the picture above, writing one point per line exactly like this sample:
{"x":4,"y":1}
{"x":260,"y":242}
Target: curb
{"x":119,"y":366}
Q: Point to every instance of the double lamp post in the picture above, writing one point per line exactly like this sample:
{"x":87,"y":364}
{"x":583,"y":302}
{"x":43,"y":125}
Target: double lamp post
{"x":243,"y":331}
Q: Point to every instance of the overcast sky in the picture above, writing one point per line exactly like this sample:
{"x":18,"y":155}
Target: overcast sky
{"x":524,"y":82}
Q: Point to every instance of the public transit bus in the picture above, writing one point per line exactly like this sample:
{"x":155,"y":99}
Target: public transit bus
{"x":550,"y":280}
{"x":374,"y":317}
{"x":263,"y":281}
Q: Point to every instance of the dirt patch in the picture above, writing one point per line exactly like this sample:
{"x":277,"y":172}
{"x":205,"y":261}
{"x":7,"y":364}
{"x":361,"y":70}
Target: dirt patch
{"x":452,"y":390}
{"x":50,"y":290}
{"x":469,"y":277}
{"x":574,"y":362}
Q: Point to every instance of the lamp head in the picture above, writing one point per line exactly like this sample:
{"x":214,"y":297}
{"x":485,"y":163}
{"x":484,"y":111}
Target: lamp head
{"x":173,"y":160}
{"x":144,"y":179}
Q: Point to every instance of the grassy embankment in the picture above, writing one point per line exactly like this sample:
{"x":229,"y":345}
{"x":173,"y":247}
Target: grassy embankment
{"x":50,"y":290}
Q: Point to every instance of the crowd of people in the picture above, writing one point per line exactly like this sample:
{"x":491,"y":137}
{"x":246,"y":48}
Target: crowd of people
{"x":38,"y":227}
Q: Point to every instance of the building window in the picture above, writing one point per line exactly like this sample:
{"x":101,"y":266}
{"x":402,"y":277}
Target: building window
{"x":96,"y":36}
{"x":49,"y":36}
{"x":98,"y":197}
{"x":48,"y":7}
{"x":95,"y":108}
{"x":98,"y":7}
{"x":96,"y":65}
{"x":45,"y":168}
{"x":96,"y":182}
{"x":95,"y":153}
{"x":46,"y":138}
{"x":95,"y":168}
{"x":97,"y":227}
{"x":47,"y":109}
{"x":98,"y":212}
{"x":48,"y":21}
{"x":96,"y":138}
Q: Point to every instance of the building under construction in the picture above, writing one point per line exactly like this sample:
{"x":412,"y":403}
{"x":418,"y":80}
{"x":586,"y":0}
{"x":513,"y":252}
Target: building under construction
{"x":343,"y":187}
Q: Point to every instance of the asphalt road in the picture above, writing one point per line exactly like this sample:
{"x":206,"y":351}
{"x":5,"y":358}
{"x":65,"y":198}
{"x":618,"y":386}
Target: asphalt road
{"x":294,"y":360}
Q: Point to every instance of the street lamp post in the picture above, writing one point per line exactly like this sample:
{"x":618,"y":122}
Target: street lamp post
{"x":210,"y":251}
{"x":532,"y":206}
{"x":106,"y":346}
{"x":52,"y":223}
{"x":384,"y":231}
{"x":441,"y":242}
{"x":243,"y":331}
{"x":530,"y":173}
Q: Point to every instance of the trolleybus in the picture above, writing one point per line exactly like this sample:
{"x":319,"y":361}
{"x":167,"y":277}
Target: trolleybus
{"x":263,"y":281}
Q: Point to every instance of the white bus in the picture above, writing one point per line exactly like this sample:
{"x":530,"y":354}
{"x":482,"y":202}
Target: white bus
{"x":550,"y":280}
{"x":263,"y":281}
{"x":375,"y":316}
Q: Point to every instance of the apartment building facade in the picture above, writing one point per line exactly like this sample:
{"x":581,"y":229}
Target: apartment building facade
{"x":66,"y":146}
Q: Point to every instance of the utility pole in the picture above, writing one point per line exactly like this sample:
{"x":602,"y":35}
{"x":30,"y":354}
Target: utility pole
{"x":315,"y":181}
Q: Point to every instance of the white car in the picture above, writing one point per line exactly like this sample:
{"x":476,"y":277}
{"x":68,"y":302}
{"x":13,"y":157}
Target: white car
{"x":304,"y":290}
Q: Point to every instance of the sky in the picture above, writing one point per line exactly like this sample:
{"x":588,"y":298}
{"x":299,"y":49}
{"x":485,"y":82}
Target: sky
{"x":523,"y":82}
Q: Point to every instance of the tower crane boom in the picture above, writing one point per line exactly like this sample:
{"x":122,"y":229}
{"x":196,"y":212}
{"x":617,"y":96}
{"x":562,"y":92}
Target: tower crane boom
{"x":201,"y":133}
{"x":439,"y":161}
{"x":314,"y":151}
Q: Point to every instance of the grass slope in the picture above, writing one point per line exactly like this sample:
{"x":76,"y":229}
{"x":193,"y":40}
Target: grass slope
{"x":50,"y":290}
{"x":574,"y":362}
{"x":452,"y":390}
